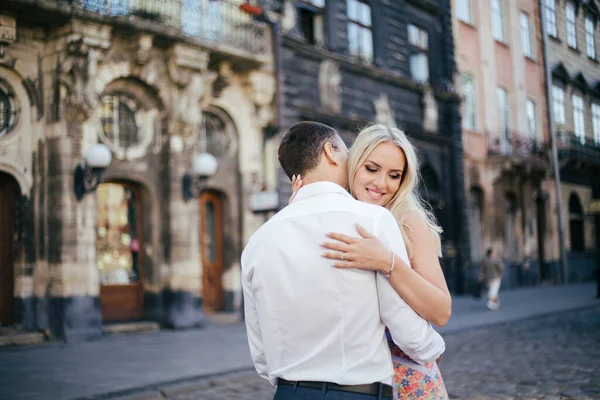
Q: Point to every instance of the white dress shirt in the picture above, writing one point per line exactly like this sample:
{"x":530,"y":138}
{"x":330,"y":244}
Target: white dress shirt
{"x":308,"y":321}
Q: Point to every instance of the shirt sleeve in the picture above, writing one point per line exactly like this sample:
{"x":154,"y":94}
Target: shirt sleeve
{"x":251,"y":318}
{"x":413,"y":334}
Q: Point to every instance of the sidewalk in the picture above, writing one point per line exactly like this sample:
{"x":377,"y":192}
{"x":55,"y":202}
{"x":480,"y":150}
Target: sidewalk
{"x":63,"y":371}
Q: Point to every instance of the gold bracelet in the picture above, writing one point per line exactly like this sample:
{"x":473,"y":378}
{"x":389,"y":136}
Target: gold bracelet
{"x":392,"y":267}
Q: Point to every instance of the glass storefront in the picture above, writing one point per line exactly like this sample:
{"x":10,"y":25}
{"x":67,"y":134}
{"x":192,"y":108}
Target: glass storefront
{"x":117,"y":239}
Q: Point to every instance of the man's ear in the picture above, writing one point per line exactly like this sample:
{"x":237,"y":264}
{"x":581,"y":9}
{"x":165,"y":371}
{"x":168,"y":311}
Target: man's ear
{"x":330,"y":154}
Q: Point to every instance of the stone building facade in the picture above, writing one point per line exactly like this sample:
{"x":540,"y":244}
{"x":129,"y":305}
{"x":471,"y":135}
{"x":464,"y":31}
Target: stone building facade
{"x":573,"y":34}
{"x":508,"y":176}
{"x":348,"y":63}
{"x":157,"y":83}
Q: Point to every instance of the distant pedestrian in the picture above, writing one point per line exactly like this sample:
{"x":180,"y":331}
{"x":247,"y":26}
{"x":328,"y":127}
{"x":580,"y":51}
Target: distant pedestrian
{"x":491,"y":271}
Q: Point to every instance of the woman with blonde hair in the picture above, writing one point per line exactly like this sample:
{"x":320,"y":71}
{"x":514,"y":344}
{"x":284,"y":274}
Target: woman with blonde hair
{"x":383,"y":169}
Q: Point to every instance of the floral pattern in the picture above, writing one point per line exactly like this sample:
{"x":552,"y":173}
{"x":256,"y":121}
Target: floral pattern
{"x":410,"y":383}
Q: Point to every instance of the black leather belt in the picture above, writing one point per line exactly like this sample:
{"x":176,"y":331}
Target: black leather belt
{"x":369,"y":388}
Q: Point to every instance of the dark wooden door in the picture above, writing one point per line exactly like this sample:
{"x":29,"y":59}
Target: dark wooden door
{"x":119,"y":251}
{"x":211,"y":248}
{"x":8,"y":194}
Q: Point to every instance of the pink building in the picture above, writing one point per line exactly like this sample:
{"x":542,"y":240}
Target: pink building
{"x":505,"y":135}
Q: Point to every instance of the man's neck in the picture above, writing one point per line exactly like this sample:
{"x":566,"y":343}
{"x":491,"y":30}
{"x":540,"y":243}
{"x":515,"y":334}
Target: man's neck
{"x":315,"y":177}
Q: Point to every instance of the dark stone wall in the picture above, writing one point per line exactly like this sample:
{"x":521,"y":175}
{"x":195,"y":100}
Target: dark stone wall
{"x":390,"y":74}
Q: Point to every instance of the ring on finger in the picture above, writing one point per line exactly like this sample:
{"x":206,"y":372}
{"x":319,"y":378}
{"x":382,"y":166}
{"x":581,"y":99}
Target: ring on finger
{"x":342,"y":257}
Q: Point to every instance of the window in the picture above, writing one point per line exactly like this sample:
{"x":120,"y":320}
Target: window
{"x":558,"y":105}
{"x":217,"y":135}
{"x":571,"y":28}
{"x":360,"y":34}
{"x":503,"y":113}
{"x":7,"y":109}
{"x":550,"y":7}
{"x":497,"y":24}
{"x":578,"y":117}
{"x":419,"y":60}
{"x":526,"y":35}
{"x":590,"y":42}
{"x":531,"y":119}
{"x":596,"y":122}
{"x":118,"y":117}
{"x":470,"y":103}
{"x":463,"y":10}
{"x":311,"y":19}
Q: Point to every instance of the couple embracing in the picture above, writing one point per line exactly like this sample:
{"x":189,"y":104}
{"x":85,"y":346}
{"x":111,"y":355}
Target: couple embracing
{"x":342,"y":285}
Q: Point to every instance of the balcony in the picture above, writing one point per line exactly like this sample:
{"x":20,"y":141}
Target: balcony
{"x":517,"y":151}
{"x":580,"y":150}
{"x":219,"y":24}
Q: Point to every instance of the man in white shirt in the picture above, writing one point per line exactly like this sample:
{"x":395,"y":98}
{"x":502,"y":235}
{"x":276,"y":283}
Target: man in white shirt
{"x":315,"y":330}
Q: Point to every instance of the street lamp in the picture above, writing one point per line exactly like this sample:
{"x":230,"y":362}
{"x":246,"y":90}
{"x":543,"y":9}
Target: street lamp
{"x":89,"y":172}
{"x":204,"y":165}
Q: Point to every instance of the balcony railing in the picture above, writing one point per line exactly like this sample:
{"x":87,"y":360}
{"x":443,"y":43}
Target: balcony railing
{"x":517,"y":145}
{"x":581,"y":147}
{"x":215,"y":21}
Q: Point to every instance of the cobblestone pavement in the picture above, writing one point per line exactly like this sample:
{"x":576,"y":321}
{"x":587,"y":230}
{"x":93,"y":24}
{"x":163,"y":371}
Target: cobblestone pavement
{"x":550,"y":357}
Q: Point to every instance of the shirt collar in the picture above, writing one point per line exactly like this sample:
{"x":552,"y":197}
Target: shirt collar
{"x":317,"y":188}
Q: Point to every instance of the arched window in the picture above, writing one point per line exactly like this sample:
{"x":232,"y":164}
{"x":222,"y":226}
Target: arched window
{"x":511,"y":219}
{"x":7,"y":109}
{"x":475,"y":223}
{"x":217,"y":134}
{"x":576,"y":224}
{"x":119,"y":124}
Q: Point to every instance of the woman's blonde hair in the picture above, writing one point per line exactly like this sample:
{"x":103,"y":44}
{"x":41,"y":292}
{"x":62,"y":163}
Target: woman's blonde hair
{"x":406,"y":198}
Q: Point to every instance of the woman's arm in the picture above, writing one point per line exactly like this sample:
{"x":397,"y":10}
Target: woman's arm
{"x":423,"y":286}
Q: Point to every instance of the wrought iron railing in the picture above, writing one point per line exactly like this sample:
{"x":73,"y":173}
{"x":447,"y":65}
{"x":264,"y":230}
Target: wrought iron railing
{"x":517,"y":145}
{"x":570,"y":144}
{"x":216,"y":21}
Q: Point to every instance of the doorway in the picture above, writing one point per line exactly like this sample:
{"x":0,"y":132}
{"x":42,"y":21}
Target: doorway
{"x":8,"y":198}
{"x":118,"y":251}
{"x":211,"y":249}
{"x":541,"y":233}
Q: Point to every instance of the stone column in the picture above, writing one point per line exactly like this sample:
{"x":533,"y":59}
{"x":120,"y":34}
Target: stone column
{"x":183,"y":280}
{"x":73,"y":284}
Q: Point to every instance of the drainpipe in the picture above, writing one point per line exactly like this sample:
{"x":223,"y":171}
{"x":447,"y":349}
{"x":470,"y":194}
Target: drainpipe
{"x":555,"y":166}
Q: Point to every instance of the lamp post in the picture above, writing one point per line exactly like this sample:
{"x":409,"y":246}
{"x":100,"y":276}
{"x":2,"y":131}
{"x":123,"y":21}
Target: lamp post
{"x":204,"y":165}
{"x":88,"y":174}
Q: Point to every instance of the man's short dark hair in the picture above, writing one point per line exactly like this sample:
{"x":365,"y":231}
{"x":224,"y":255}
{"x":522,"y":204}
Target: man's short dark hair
{"x":489,"y":251}
{"x":301,"y":146}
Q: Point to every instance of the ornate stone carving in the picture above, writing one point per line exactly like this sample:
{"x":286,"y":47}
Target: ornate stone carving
{"x":329,"y":86}
{"x":73,"y":77}
{"x":187,"y":106}
{"x":143,"y":47}
{"x":8,"y":32}
{"x":262,"y":89}
{"x":383,"y":112}
{"x":430,"y":113}
{"x":223,"y":79}
{"x":184,"y":61}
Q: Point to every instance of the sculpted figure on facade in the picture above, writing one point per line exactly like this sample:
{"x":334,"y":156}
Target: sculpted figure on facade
{"x":383,"y":112}
{"x":186,"y":67}
{"x":262,"y":89}
{"x":74,"y":74}
{"x":430,"y":114}
{"x":330,"y":90}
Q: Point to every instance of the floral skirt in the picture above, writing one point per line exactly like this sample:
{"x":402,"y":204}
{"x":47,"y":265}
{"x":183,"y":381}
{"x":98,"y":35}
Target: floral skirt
{"x":413,"y":381}
{"x":424,"y":383}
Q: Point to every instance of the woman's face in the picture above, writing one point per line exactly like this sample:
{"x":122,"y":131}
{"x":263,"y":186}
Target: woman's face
{"x":379,"y":177}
